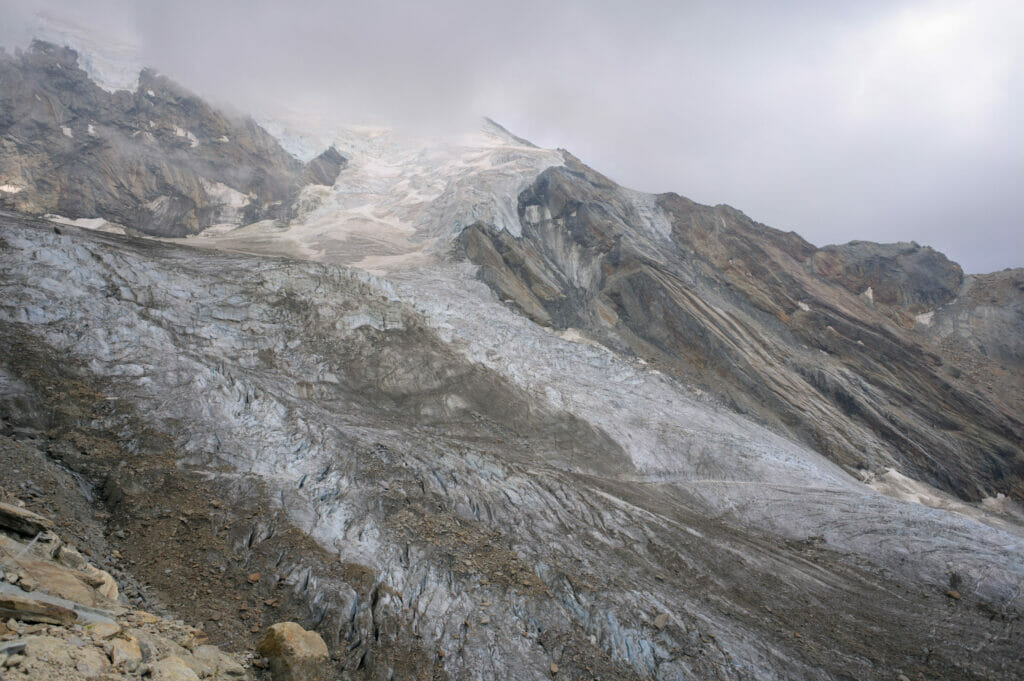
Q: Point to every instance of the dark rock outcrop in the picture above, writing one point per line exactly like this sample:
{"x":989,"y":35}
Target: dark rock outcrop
{"x":985,"y":319}
{"x":158,"y":160}
{"x":324,"y":168}
{"x":905,"y":275}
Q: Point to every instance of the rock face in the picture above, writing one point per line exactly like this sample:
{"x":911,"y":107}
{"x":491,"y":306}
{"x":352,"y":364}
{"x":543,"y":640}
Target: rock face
{"x":22,"y":521}
{"x":982,"y":323}
{"x":773,"y":326}
{"x":158,"y":160}
{"x":324,"y":168}
{"x":29,"y":609}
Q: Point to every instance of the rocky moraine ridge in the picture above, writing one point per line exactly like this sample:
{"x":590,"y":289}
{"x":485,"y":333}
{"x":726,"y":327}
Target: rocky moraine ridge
{"x":474,"y":411}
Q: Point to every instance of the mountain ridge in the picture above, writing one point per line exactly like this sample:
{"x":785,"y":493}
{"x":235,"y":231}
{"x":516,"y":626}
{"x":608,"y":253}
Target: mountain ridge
{"x":76,"y":150}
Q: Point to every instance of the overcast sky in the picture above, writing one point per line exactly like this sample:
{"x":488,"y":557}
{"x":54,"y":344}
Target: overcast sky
{"x":879,"y":120}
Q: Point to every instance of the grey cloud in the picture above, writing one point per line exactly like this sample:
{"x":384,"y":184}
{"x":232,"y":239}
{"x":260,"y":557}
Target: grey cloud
{"x":877,"y":120}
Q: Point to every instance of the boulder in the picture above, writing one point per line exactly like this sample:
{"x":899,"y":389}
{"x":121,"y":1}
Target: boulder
{"x":172,"y":669}
{"x":102,"y":631}
{"x":294,"y":654}
{"x":48,"y":649}
{"x":220,"y":663}
{"x":90,"y":662}
{"x":124,"y":652}
{"x":57,"y":580}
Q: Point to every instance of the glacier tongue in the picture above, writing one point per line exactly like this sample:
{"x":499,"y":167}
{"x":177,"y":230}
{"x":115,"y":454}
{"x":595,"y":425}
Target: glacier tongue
{"x":669,"y":431}
{"x":679,"y":437}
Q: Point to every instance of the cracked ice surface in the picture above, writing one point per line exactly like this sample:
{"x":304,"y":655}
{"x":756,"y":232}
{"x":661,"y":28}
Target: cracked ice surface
{"x":668,"y":431}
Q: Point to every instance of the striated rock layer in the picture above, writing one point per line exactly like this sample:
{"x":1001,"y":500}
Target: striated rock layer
{"x":818,"y":344}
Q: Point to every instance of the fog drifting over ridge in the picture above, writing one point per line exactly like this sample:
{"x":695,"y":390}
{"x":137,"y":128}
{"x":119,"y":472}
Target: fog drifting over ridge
{"x":885,"y":121}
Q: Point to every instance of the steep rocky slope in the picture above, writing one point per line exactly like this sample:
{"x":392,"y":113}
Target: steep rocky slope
{"x":813,"y":342}
{"x":980,"y":331}
{"x":158,"y":160}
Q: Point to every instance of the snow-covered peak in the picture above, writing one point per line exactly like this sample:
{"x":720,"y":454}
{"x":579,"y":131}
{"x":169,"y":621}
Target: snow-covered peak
{"x":502,"y":135}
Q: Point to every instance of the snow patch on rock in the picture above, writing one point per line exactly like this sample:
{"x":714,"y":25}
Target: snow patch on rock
{"x":651,"y":216}
{"x":225,"y":195}
{"x":94,"y":224}
{"x":181,"y":132}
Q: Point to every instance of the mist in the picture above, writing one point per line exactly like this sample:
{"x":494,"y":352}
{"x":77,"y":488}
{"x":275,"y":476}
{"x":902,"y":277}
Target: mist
{"x":884,"y":121}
